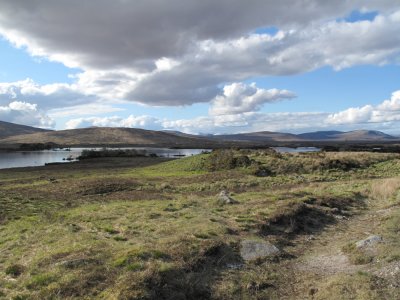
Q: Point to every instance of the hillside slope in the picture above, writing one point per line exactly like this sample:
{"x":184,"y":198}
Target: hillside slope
{"x":268,"y":136}
{"x":13,"y":134}
{"x":356,"y":135}
{"x":105,"y":136}
{"x":10,"y":129}
{"x":258,"y":136}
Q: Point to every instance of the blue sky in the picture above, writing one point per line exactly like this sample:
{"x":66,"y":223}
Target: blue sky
{"x":322,"y":68}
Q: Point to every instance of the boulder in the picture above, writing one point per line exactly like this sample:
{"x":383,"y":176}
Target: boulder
{"x":255,"y":249}
{"x":369,"y":241}
{"x":224,"y":198}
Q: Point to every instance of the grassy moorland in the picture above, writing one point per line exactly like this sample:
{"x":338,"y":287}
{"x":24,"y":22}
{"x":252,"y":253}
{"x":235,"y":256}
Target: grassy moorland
{"x":152,"y":228}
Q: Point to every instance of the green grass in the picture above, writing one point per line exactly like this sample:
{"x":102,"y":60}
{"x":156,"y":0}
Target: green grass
{"x":121,"y":232}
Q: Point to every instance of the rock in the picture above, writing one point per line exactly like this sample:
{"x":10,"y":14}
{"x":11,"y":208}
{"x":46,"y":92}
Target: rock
{"x":253,"y":249}
{"x":235,"y":266}
{"x":78,"y":262}
{"x":369,"y":241}
{"x":224,"y":198}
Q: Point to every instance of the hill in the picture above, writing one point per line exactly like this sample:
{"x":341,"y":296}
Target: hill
{"x":12,"y":135}
{"x":356,"y":135}
{"x":268,"y":136}
{"x":108,"y":136}
{"x":10,"y":129}
{"x":262,"y":136}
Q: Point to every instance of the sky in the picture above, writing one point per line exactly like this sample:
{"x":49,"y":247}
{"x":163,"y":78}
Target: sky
{"x":201,"y":67}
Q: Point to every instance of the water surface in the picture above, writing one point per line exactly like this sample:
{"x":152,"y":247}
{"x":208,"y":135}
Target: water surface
{"x":296,"y":150}
{"x":40,"y":158}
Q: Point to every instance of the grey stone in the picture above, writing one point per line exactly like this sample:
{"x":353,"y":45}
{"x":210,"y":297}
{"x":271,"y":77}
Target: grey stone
{"x":224,"y":198}
{"x":253,"y":249}
{"x":78,"y":262}
{"x":369,"y":241}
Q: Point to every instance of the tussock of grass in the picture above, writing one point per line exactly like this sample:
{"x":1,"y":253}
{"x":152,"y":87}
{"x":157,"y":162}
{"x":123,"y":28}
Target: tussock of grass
{"x":386,"y":189}
{"x":362,"y":285}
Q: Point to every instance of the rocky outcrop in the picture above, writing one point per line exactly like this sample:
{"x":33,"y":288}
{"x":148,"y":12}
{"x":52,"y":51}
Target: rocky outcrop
{"x":255,"y":249}
{"x":369,"y":242}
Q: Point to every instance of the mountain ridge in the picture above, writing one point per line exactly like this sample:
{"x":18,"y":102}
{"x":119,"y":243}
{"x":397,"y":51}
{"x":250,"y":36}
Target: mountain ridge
{"x":8,"y":129}
{"x":14,"y":134}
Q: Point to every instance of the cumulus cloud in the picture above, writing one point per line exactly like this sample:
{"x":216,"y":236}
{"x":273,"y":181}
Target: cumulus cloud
{"x":352,"y":115}
{"x":146,"y":122}
{"x":83,"y":110}
{"x":240,"y":98}
{"x":185,"y":52}
{"x":105,"y":34}
{"x":336,"y":44}
{"x":47,"y":96}
{"x":25,"y":113}
{"x":180,"y":53}
{"x":387,"y":111}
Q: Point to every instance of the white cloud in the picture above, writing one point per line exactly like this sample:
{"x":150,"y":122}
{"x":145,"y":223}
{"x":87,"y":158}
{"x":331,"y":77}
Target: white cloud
{"x":385,"y":116}
{"x":176,"y":53}
{"x":104,"y":34}
{"x":46,"y":96}
{"x":391,"y":105}
{"x":83,"y":110}
{"x":25,"y":113}
{"x":387,"y":111}
{"x":182,"y":52}
{"x":244,"y":122}
{"x":352,"y":115}
{"x":211,"y":63}
{"x":240,"y":98}
{"x":147,"y":122}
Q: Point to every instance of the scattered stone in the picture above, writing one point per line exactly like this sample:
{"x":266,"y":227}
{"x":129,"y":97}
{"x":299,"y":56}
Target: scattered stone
{"x":78,"y":262}
{"x":224,"y":198}
{"x":391,"y":273}
{"x":235,"y":266}
{"x":253,"y":249}
{"x":310,"y":238}
{"x":369,"y":241}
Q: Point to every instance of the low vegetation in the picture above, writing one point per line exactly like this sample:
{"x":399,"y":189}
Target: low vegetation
{"x":151,"y":228}
{"x":93,"y":153}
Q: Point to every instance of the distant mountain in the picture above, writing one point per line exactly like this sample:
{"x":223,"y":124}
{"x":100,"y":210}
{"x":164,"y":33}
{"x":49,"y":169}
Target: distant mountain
{"x":262,"y":136}
{"x":182,"y":134}
{"x":267,"y":136}
{"x":10,"y":129}
{"x":12,"y":135}
{"x":108,"y":136}
{"x":320,"y":135}
{"x":356,"y":135}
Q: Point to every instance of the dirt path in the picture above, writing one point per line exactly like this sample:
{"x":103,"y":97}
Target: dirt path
{"x":320,"y":257}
